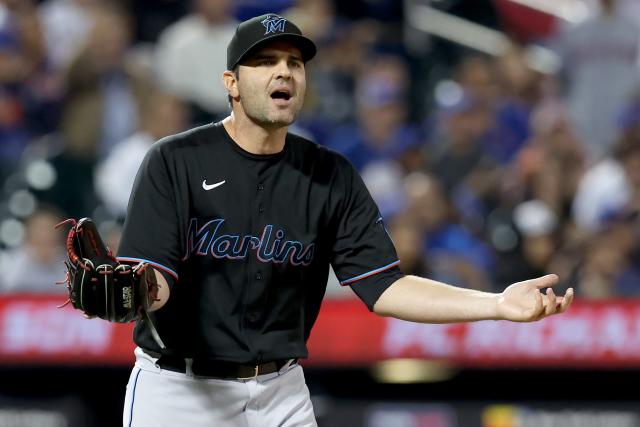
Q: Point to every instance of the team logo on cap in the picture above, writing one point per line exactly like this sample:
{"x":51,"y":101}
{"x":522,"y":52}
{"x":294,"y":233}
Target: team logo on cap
{"x":273,"y":24}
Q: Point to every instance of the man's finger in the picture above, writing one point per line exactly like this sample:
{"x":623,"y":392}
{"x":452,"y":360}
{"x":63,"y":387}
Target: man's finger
{"x":546,"y":281}
{"x":538,"y":309}
{"x":550,"y":306}
{"x":566,"y":301}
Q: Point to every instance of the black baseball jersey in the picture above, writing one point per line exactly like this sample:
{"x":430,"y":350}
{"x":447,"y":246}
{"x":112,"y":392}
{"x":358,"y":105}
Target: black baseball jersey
{"x":245,"y":242}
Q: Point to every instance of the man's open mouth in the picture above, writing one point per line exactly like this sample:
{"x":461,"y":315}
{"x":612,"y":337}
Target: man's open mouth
{"x":281,"y":94}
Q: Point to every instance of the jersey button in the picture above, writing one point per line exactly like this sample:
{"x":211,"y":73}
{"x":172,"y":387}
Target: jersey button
{"x":258,"y":276}
{"x":261,"y":209}
{"x":253,"y":317}
{"x":260,"y":187}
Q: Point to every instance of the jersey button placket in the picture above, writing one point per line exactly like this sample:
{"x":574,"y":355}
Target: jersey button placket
{"x":260,"y":188}
{"x":255,"y":277}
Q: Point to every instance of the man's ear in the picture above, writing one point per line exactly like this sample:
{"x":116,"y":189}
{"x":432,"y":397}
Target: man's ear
{"x":230,"y":83}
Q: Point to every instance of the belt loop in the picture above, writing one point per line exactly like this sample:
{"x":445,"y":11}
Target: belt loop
{"x":253,"y":377}
{"x":286,"y":366}
{"x":188,"y":363}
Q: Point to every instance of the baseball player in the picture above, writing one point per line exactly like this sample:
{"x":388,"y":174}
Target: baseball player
{"x":238,"y":222}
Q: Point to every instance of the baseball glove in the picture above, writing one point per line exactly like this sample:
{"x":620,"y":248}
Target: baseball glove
{"x":98,"y":284}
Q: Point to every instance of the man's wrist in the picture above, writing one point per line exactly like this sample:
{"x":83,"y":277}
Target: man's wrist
{"x":496,"y":300}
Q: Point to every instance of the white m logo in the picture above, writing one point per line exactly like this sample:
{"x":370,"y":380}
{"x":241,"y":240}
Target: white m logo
{"x":274,"y":23}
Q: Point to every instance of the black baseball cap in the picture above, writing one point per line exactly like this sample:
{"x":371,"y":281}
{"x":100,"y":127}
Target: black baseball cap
{"x":256,"y":31}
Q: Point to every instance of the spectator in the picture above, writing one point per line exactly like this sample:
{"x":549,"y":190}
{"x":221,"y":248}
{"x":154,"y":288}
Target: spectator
{"x":104,"y":89}
{"x":21,"y":41}
{"x":461,"y":149}
{"x":553,"y":161}
{"x":182,"y":66}
{"x":476,"y":76}
{"x":460,"y":161}
{"x":537,"y":224}
{"x":36,"y":265}
{"x":408,"y":242}
{"x":610,"y":267}
{"x":454,"y":253}
{"x":21,"y":57}
{"x":384,"y":182}
{"x":521,"y":90}
{"x":314,"y":17}
{"x":66,"y":25}
{"x":382,"y":131}
{"x":163,"y":114}
{"x":600,"y":57}
{"x":101,"y":106}
{"x":609,"y":187}
{"x":331,"y":82}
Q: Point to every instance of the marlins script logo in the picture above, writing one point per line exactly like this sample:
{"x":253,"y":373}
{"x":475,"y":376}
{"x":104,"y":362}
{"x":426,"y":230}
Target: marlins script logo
{"x":270,"y":246}
{"x":273,"y":24}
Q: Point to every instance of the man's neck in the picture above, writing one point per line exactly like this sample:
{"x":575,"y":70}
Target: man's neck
{"x":254,"y":138}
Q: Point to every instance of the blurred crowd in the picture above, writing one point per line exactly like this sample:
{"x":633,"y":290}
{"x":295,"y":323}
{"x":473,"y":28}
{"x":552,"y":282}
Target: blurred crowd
{"x":486,"y":170}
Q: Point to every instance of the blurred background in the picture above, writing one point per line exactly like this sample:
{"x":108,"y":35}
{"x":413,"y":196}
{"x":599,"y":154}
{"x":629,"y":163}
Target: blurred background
{"x":500,"y":139}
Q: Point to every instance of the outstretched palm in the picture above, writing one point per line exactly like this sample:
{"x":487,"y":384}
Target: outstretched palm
{"x":524,"y":301}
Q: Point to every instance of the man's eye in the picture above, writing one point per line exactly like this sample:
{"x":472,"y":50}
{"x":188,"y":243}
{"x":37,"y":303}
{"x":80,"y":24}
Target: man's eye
{"x":267,"y":62}
{"x":295,"y":64}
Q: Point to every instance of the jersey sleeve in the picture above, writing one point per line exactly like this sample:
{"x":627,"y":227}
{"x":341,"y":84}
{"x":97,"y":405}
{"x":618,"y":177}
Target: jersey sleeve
{"x":363,"y":255}
{"x":151,"y":232}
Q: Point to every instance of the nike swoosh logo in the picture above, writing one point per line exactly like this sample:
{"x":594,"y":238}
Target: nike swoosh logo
{"x":208,"y":187}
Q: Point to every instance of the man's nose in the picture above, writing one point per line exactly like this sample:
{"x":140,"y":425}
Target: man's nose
{"x":283,"y":70}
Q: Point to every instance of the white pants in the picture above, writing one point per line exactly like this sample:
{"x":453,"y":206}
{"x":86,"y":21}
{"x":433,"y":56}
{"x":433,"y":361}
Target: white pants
{"x":157,"y":398}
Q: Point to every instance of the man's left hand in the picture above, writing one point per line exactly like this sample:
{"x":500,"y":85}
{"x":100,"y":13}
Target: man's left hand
{"x":525,"y":301}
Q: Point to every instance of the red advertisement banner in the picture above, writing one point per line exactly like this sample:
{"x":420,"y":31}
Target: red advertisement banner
{"x":34,"y":331}
{"x":590,"y":335}
{"x":603,"y":334}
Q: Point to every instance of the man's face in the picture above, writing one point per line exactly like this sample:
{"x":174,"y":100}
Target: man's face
{"x":272,"y":84}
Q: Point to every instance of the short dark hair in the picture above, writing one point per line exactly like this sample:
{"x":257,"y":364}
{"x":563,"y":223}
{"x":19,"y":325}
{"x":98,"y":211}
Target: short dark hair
{"x":236,"y":71}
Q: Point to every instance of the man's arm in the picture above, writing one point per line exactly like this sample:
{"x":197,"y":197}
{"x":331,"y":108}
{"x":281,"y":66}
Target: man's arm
{"x":427,"y":301}
{"x":163,"y":289}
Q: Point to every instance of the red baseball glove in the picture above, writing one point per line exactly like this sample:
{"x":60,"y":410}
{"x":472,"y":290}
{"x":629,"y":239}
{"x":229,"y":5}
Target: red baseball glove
{"x":98,"y":284}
